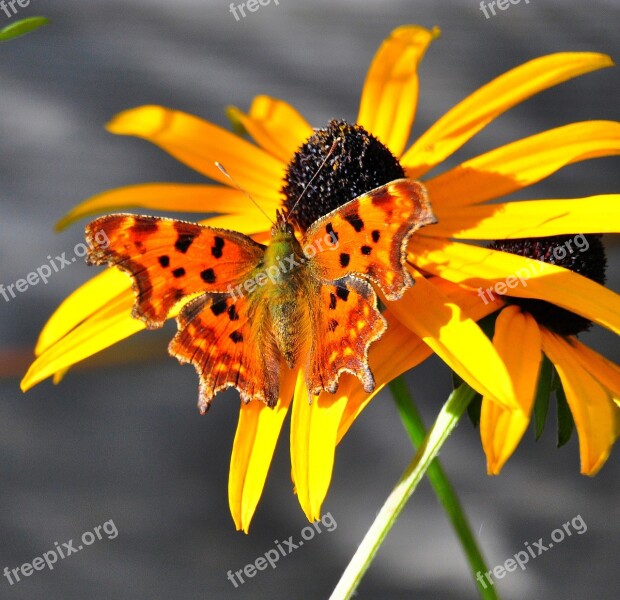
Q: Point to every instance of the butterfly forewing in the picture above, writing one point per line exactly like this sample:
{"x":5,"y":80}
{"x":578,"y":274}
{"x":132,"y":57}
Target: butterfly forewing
{"x":169,"y":260}
{"x":371,"y":233}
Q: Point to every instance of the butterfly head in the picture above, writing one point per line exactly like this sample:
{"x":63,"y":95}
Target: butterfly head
{"x":282,"y":228}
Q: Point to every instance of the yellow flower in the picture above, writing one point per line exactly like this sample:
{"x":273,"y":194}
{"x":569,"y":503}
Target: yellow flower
{"x":438,"y":314}
{"x":591,"y":384}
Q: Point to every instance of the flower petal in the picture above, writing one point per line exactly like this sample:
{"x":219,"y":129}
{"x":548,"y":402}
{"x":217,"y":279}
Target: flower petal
{"x":595,"y":415}
{"x":200,"y":144}
{"x":456,"y":337}
{"x":517,"y":340}
{"x":605,"y":371}
{"x":314,"y":431}
{"x":94,"y":295}
{"x":522,"y":163}
{"x":167,"y":196}
{"x":255,"y":442}
{"x":108,"y":325}
{"x":528,"y":218}
{"x":483,"y":268}
{"x":390,"y":93}
{"x":275,"y":126}
{"x":468,"y":117}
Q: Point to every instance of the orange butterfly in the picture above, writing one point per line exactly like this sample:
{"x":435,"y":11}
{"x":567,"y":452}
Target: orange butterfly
{"x":307,"y":304}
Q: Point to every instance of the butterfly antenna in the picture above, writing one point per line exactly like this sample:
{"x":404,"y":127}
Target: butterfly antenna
{"x":331,"y":151}
{"x":220,"y":166}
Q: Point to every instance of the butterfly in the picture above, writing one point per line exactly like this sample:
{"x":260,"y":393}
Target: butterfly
{"x":305,"y":301}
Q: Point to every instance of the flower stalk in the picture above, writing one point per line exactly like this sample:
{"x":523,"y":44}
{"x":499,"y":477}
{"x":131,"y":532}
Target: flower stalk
{"x":446,"y":421}
{"x":412,"y":421}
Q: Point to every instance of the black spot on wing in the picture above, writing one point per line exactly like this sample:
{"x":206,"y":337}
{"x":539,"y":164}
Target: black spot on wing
{"x":164,"y":261}
{"x":342,"y":293}
{"x":233,"y":315}
{"x":218,"y":245}
{"x":376,"y":234}
{"x":236,"y":337}
{"x":330,"y":231}
{"x":366,"y":250}
{"x":332,"y":301}
{"x":184,"y":241}
{"x":218,"y":308}
{"x":344,"y":259}
{"x":332,"y":325}
{"x":208,"y":275}
{"x":180,"y":272}
{"x":355,"y":221}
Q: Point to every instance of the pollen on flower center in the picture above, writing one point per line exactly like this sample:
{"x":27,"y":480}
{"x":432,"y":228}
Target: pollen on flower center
{"x":583,"y":254}
{"x":359,"y":163}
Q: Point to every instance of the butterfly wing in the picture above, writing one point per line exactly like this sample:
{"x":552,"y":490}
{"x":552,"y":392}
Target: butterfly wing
{"x":348,"y":322}
{"x":216,"y":336}
{"x":170,"y":259}
{"x":368,"y":236}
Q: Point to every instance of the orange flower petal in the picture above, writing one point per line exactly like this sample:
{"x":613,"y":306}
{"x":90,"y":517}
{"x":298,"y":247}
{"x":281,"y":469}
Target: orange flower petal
{"x":177,"y":197}
{"x":200,"y":144}
{"x":314,"y":431}
{"x":492,"y":272}
{"x":528,"y":218}
{"x":456,"y":337}
{"x":469,"y":116}
{"x":80,"y":305}
{"x":275,"y":126}
{"x":517,"y":340}
{"x":390,"y":93}
{"x":255,"y":442}
{"x":595,"y":415}
{"x":109,"y":325}
{"x":522,"y":163}
{"x":606,"y":372}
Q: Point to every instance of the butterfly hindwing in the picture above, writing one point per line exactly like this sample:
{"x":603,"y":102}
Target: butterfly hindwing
{"x":347,"y":322}
{"x":216,"y":335}
{"x":370,"y":233}
{"x":169,"y":260}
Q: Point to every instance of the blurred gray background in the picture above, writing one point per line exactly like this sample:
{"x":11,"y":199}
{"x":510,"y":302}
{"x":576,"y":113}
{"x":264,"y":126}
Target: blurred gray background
{"x":124,"y":442}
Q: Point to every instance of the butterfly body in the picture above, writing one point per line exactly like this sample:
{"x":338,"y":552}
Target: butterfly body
{"x":303,"y":301}
{"x":285,"y":281}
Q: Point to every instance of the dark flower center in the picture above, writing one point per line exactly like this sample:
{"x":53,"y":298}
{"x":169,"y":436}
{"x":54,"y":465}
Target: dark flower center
{"x":359,"y":163}
{"x":583,"y":254}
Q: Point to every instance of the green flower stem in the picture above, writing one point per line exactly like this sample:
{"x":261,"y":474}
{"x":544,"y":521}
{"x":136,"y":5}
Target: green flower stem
{"x":441,"y":485}
{"x":446,"y":421}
